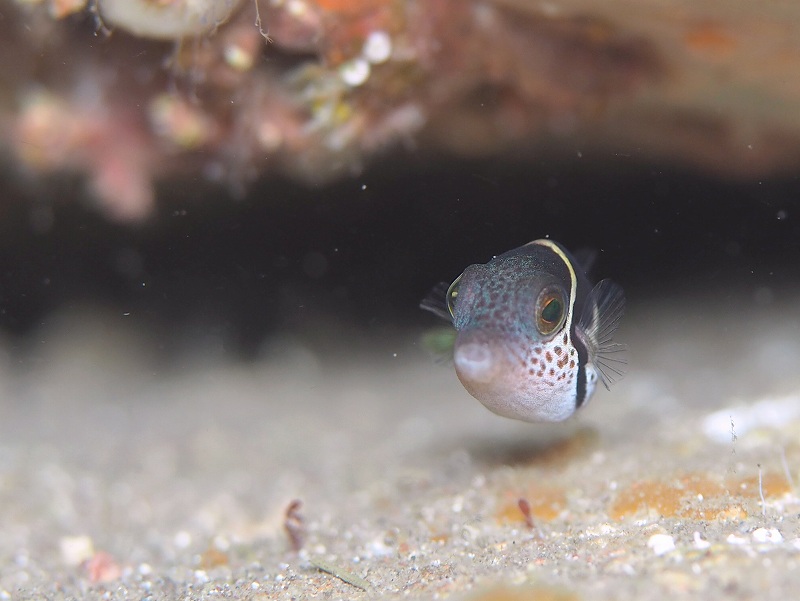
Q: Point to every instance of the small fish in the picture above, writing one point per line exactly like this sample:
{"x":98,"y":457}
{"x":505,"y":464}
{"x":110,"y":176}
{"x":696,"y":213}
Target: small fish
{"x":533,"y":336}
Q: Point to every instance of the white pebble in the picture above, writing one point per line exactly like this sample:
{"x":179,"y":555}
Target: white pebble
{"x":377,"y":47}
{"x":76,"y":549}
{"x":767,"y":535}
{"x":661,"y":543}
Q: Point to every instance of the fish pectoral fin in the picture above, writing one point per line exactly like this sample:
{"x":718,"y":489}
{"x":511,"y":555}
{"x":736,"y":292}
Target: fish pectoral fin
{"x":440,"y":342}
{"x":436,"y":301}
{"x":599,"y":321}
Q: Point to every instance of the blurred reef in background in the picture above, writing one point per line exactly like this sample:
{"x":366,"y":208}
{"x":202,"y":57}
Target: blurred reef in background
{"x":127,"y":94}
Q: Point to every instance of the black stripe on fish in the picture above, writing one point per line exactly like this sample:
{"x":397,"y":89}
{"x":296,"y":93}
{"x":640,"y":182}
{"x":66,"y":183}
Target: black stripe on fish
{"x":583,"y":359}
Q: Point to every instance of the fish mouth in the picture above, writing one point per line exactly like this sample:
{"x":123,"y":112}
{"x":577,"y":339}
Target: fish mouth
{"x":476,"y":362}
{"x":483,"y":361}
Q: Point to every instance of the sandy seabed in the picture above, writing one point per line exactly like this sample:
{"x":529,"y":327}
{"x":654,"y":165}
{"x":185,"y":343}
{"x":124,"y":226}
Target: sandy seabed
{"x":120,"y":479}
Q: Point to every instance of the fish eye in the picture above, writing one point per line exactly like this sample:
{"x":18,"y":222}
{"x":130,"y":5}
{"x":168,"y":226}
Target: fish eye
{"x":550,"y":311}
{"x":452,"y":295}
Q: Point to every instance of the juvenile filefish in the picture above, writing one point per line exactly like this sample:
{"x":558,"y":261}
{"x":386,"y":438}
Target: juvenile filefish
{"x":533,"y":336}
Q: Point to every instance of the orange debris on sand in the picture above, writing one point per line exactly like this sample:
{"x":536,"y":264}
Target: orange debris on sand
{"x":694,"y":496}
{"x":711,"y":40}
{"x":545,"y":505}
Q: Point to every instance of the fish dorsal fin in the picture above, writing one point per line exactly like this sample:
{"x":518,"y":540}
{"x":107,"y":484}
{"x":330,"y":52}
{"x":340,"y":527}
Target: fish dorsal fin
{"x":585,"y":258}
{"x":436,"y":301}
{"x":600,"y":319}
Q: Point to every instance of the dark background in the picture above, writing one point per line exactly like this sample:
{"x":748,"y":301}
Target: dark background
{"x":362,"y":252}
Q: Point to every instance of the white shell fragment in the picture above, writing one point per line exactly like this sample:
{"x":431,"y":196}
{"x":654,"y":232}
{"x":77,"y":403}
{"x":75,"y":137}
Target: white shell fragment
{"x":166,"y":19}
{"x":767,"y":535}
{"x":661,"y":544}
{"x":75,"y":549}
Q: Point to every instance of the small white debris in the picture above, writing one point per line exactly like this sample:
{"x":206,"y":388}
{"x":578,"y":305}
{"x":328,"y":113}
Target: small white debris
{"x":604,"y":529}
{"x":354,"y":72}
{"x":221,"y":543}
{"x":76,"y":549}
{"x":379,"y":548}
{"x":736,"y":540}
{"x":145,"y":569}
{"x":201,"y":576}
{"x":377,"y":47}
{"x":700,"y":542}
{"x":767,"y":535}
{"x":182,"y":539}
{"x":661,"y":543}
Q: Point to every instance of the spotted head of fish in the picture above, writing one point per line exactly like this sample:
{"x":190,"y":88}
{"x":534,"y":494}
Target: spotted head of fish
{"x":533,"y":337}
